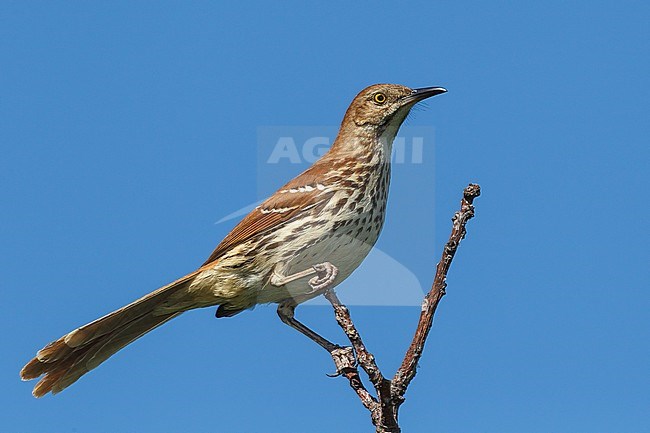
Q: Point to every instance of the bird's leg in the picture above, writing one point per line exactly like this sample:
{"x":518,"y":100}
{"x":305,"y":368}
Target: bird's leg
{"x":278,"y":279}
{"x":325,"y":275}
{"x":286,"y":312}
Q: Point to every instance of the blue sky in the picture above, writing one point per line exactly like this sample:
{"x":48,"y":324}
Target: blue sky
{"x":127,"y":129}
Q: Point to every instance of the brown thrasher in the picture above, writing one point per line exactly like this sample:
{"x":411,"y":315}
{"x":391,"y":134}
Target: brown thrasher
{"x":320,"y":225}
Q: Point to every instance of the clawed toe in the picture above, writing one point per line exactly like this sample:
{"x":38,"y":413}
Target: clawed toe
{"x":325,"y":274}
{"x":344,"y":359}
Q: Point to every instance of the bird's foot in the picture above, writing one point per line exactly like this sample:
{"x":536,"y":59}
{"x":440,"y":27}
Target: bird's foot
{"x":344,"y":360}
{"x":325,"y":275}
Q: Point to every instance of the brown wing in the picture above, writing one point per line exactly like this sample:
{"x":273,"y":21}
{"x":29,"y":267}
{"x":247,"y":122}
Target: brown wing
{"x":300,"y":194}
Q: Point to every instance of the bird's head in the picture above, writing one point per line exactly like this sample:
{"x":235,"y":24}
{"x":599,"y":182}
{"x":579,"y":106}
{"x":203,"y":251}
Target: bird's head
{"x":382,"y":105}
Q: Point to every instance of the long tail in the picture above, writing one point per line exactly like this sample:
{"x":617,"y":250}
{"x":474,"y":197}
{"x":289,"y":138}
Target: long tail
{"x":64,"y":361}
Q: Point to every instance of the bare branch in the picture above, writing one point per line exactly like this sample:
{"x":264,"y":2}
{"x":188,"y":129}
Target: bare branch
{"x":407,"y":370}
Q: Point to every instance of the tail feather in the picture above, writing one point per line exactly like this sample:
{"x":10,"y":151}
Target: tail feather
{"x":65,"y":360}
{"x":123,"y":337}
{"x":103,"y":348}
{"x":126,"y":314}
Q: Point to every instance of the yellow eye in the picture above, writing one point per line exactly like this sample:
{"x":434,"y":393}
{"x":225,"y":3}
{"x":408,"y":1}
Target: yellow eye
{"x":379,"y":98}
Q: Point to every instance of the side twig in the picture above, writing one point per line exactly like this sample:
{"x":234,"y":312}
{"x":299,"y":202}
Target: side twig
{"x":390,"y":393}
{"x":407,"y":370}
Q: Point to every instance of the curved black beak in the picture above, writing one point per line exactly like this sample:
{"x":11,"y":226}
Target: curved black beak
{"x":423,"y":93}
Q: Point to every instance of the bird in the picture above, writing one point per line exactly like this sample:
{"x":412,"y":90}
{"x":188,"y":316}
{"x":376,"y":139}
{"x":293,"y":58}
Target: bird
{"x":307,"y":237}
